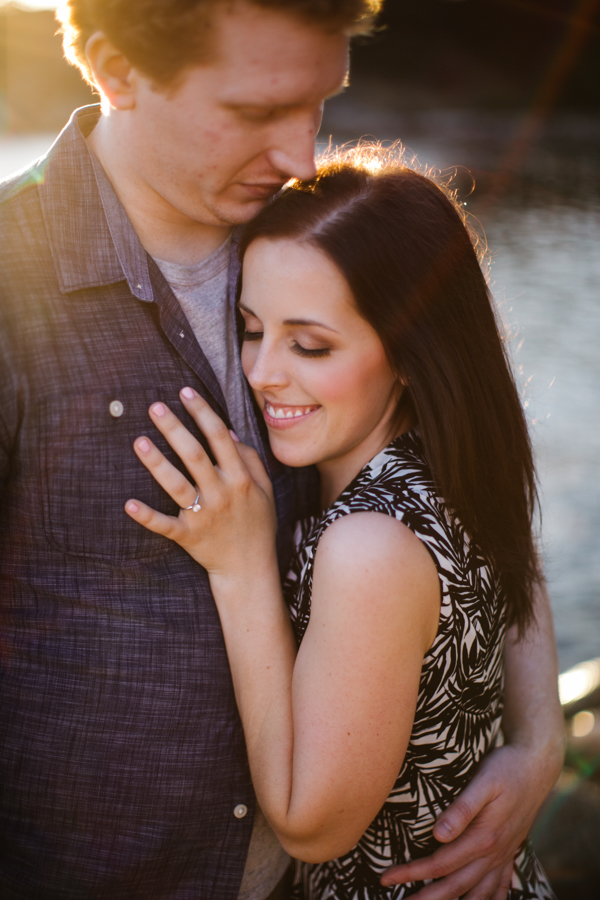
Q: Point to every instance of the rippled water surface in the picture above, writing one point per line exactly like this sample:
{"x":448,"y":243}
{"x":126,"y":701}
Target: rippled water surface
{"x":544,"y":237}
{"x":548,"y":269}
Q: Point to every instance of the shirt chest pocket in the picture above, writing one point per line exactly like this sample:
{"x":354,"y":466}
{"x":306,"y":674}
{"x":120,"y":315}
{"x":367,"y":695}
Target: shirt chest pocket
{"x":88,"y":470}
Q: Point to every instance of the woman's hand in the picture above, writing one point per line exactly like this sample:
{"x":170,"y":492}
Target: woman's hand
{"x":235,"y":526}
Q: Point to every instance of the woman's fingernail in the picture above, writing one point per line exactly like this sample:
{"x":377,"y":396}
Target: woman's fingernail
{"x":158,"y":409}
{"x":188,"y":393}
{"x":132,"y":507}
{"x":144,"y":445}
{"x":234,"y":436}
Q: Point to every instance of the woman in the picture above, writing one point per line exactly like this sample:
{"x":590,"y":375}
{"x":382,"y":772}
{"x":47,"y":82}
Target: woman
{"x":373,"y":352}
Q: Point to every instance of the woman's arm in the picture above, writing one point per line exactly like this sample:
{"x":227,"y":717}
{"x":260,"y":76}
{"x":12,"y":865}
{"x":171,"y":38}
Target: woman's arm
{"x":327,"y":731}
{"x":326,"y":728}
{"x":485,"y":825}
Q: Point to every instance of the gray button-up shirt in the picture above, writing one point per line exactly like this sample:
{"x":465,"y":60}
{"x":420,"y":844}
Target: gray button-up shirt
{"x":122,"y":758}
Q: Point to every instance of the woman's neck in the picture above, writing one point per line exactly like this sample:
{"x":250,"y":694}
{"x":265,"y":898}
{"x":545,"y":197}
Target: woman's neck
{"x":337,"y":473}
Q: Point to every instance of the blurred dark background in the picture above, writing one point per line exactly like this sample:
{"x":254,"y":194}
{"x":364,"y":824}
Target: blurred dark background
{"x":513,"y":86}
{"x":460,"y":54}
{"x":494,"y":54}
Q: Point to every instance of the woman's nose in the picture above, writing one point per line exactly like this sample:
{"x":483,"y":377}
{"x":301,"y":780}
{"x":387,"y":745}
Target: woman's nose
{"x":266,"y":372}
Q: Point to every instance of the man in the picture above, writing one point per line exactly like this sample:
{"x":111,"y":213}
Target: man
{"x":122,"y":758}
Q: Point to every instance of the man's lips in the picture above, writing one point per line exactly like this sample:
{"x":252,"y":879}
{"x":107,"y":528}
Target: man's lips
{"x":261,"y":191}
{"x":279,"y":416}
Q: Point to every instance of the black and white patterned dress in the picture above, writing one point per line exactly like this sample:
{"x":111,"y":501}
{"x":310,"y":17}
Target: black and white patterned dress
{"x":459,"y":705}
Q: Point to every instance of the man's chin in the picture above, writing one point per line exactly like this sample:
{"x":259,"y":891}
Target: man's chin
{"x":237,"y":213}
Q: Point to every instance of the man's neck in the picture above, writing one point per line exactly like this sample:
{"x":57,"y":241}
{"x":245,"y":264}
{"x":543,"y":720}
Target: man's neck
{"x":164,"y":231}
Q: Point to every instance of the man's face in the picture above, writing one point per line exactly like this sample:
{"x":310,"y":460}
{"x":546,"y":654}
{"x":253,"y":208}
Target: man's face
{"x":236,"y":129}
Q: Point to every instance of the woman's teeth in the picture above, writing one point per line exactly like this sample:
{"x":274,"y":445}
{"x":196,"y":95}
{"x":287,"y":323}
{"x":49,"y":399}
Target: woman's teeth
{"x":288,"y":412}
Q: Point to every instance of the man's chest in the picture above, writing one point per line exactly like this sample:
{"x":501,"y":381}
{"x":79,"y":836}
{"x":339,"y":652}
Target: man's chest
{"x":89,"y":377}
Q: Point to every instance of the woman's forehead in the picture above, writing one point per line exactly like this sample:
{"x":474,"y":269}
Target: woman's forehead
{"x":294,"y":279}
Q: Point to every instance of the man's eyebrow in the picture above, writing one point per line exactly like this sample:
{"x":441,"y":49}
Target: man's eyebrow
{"x":240,"y":103}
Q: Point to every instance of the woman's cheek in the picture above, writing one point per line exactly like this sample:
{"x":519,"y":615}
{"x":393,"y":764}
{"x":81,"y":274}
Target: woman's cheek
{"x":330,"y":383}
{"x":346,"y":383}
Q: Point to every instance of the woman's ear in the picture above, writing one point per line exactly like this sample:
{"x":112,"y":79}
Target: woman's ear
{"x":112,"y":73}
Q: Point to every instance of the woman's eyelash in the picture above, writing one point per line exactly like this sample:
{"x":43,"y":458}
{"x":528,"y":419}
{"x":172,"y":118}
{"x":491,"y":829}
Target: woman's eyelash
{"x":302,"y":351}
{"x":297,"y":348}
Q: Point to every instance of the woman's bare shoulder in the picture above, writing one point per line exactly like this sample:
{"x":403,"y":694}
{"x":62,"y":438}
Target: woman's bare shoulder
{"x":370,"y":559}
{"x":368,"y":535}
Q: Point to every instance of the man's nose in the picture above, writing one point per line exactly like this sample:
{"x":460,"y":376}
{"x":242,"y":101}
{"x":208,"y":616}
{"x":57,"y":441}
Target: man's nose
{"x":293,"y":149}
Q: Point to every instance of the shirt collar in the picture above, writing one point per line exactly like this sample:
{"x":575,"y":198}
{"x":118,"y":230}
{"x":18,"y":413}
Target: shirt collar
{"x":93,"y":242}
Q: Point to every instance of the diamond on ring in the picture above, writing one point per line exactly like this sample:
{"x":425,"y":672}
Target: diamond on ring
{"x":195,"y":507}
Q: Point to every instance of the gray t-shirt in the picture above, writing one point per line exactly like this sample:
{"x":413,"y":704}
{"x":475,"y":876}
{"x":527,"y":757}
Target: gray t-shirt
{"x":202,"y":291}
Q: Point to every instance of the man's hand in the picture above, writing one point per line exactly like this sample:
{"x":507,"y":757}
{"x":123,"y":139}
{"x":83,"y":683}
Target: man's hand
{"x":486,"y":824}
{"x":484,"y":828}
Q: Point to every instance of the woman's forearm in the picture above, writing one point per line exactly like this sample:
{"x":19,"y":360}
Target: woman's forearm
{"x":302,"y":780}
{"x":262,"y":651}
{"x":286,"y":775}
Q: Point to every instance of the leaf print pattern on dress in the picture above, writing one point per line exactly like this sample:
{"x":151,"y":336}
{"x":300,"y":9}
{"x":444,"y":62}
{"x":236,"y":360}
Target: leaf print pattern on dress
{"x":459,"y":705}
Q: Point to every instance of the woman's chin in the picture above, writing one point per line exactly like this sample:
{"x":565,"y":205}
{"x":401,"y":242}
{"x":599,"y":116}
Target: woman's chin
{"x":294,"y":457}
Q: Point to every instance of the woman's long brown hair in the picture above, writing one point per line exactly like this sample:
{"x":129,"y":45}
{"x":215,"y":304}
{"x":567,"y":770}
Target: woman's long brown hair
{"x":401,"y":243}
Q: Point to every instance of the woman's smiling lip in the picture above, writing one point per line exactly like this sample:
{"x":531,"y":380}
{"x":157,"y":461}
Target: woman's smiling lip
{"x":280,"y":415}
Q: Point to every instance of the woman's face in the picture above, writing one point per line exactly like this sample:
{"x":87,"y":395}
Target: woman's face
{"x":318,"y":369}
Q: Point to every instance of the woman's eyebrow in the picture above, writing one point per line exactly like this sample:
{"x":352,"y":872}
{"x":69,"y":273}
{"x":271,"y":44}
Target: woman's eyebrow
{"x":290,"y":321}
{"x":309,"y":322}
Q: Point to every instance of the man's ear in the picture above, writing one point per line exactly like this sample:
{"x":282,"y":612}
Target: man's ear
{"x":112,"y":73}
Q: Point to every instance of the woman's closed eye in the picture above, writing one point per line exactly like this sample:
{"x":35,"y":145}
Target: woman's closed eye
{"x":295,"y":346}
{"x":314,"y":354}
{"x":252,"y":335}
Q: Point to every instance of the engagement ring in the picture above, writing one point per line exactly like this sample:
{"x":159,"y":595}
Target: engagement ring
{"x":195,"y":507}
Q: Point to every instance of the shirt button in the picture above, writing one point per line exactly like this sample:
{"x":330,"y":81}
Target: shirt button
{"x":240,"y":811}
{"x":116,"y":409}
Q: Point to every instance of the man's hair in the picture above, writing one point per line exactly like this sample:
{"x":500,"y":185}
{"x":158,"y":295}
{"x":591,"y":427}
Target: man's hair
{"x":163,"y":37}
